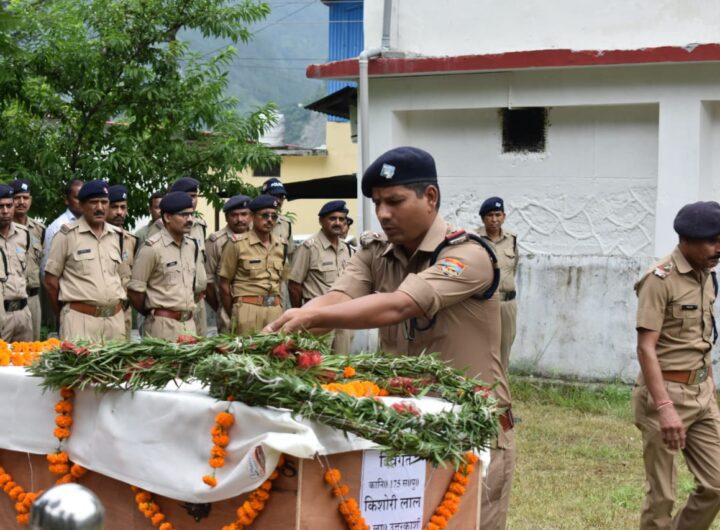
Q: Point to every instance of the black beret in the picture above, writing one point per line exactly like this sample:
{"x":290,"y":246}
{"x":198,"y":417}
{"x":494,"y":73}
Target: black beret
{"x":6,"y":192}
{"x":93,"y":190}
{"x":20,"y":186}
{"x":273,"y":186}
{"x":175,"y":201}
{"x":397,"y":167}
{"x":118,"y":193}
{"x":350,"y":221}
{"x":492,"y":204}
{"x":185,"y":184}
{"x":699,"y":220}
{"x":263,"y":201}
{"x":237,"y":202}
{"x":333,"y":206}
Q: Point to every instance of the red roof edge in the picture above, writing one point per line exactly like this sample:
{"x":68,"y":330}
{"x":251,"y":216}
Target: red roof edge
{"x":348,"y":68}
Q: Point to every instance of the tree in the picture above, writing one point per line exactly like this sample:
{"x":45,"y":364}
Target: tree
{"x":107,"y":89}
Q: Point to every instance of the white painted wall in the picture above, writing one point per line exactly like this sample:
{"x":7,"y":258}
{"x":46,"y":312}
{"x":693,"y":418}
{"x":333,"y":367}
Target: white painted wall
{"x":627,"y":147}
{"x":453,"y":27}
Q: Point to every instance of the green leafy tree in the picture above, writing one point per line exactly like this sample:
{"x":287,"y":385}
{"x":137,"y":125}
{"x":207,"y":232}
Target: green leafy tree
{"x":107,"y":89}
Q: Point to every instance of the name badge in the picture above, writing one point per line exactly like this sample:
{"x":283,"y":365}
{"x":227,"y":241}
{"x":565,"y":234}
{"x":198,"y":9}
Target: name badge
{"x":171,"y":264}
{"x":688,"y":307}
{"x":255,"y":261}
{"x":84,"y":250}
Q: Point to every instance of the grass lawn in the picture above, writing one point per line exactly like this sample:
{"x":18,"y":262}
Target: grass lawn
{"x":579,"y":459}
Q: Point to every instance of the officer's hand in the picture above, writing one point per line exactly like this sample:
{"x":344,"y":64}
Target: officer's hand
{"x":671,"y":427}
{"x":290,"y":320}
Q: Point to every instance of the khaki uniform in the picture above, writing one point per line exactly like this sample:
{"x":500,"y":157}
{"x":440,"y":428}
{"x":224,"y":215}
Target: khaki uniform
{"x":88,"y":268}
{"x":677,"y":302}
{"x":466,"y":331}
{"x":283,"y":231}
{"x":254,"y":271}
{"x":18,"y":319}
{"x":141,"y":234}
{"x":37,"y":234}
{"x":128,"y":258}
{"x":213,"y":252}
{"x":316,"y":265}
{"x":169,"y":274}
{"x":199,"y":233}
{"x":507,"y":256}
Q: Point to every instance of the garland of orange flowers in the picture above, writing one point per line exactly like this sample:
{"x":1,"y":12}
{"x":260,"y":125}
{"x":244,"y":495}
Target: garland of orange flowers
{"x":357,"y":389}
{"x":221,"y":438}
{"x":440,"y":518}
{"x":24,"y":353}
{"x":59,"y":461}
{"x":150,"y":509}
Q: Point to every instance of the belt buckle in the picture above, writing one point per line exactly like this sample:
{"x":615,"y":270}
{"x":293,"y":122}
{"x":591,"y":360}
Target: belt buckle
{"x":268,"y":300}
{"x":105,"y":311}
{"x":13,"y":305}
{"x":185,"y":316}
{"x":699,"y":376}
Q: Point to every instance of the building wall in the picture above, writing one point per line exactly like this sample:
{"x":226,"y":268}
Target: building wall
{"x":432,"y":28}
{"x":626,"y":148}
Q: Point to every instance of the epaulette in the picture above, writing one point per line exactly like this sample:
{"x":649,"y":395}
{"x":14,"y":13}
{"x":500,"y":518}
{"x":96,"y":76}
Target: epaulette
{"x":369,"y":238}
{"x":129,"y":234}
{"x":21,"y":227}
{"x":213,"y":237}
{"x":663,"y":270}
{"x":150,"y":241}
{"x":310,"y":242}
{"x":200,"y":221}
{"x":69,"y":226}
{"x":240,"y":237}
{"x":36,"y":222}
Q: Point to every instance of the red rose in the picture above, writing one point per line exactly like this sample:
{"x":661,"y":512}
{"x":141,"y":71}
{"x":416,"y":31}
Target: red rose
{"x":280,"y":351}
{"x":403,"y":386}
{"x":405,"y":407}
{"x":186,"y":339}
{"x":484,"y":391}
{"x":67,"y":345}
{"x":146,"y":363}
{"x":308,"y":359}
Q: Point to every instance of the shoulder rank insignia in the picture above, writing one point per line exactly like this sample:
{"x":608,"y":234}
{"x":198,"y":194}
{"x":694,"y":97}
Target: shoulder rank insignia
{"x":213,"y":237}
{"x":367,"y":238}
{"x":661,"y":271}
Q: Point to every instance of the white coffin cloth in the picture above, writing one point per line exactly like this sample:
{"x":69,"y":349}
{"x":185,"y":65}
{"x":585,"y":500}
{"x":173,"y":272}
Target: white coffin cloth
{"x":160,"y":440}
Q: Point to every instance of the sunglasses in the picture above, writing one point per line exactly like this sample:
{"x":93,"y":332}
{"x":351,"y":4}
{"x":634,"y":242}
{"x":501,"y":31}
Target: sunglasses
{"x":267,"y":216}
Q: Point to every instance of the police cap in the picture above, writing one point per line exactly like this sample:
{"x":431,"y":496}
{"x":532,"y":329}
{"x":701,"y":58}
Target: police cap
{"x":491,"y":205}
{"x":699,"y":220}
{"x":20,"y":186}
{"x":186,"y":185}
{"x":273,"y":186}
{"x":175,"y":201}
{"x":333,"y":206}
{"x":93,"y":190}
{"x":118,"y":193}
{"x":263,"y":201}
{"x":398,"y":167}
{"x":237,"y":202}
{"x":6,"y":192}
{"x":350,"y":221}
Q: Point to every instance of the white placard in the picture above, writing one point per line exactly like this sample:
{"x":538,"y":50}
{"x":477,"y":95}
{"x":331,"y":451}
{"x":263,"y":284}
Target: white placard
{"x":392,"y":491}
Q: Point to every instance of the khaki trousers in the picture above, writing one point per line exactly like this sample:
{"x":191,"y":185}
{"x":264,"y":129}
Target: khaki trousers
{"x":249,"y":318}
{"x":167,"y":328}
{"x":17,"y":326}
{"x":497,"y":484}
{"x":200,"y":318}
{"x":75,"y":325}
{"x":508,"y":320}
{"x":128,"y":323}
{"x":342,"y":342}
{"x":222,"y":321}
{"x":697,"y":407}
{"x":36,"y":314}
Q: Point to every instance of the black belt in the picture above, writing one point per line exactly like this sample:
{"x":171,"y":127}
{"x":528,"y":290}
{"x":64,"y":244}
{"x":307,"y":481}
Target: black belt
{"x":15,"y":305}
{"x":33,"y":291}
{"x":507,"y":296}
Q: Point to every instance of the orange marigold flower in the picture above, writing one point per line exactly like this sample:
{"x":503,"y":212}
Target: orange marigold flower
{"x":166,"y":526}
{"x":9,"y":486}
{"x":61,"y":433}
{"x":456,"y":488}
{"x":142,"y":497}
{"x":274,"y":475}
{"x":225,"y":419}
{"x":341,"y":491}
{"x":216,"y":462}
{"x":210,"y":480}
{"x":439,"y":520}
{"x":65,"y":479}
{"x":157,"y":519}
{"x":15,"y":492}
{"x":348,"y":371}
{"x":222,"y":440}
{"x":217,"y":451}
{"x":333,"y":476}
{"x":77,"y":471}
{"x":4,"y":478}
{"x":216,"y":430}
{"x":432,"y":526}
{"x":471,"y":457}
{"x":67,"y":392}
{"x":257,"y":505}
{"x":261,"y":494}
{"x":21,"y":508}
{"x":460,"y":479}
{"x":63,"y":421}
{"x":23,"y":518}
{"x":59,"y":469}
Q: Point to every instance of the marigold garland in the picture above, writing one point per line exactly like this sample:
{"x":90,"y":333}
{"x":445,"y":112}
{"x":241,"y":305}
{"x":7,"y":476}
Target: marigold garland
{"x":357,"y":389}
{"x":440,"y":518}
{"x":150,"y":509}
{"x":24,"y":353}
{"x":221,"y":438}
{"x":59,"y":461}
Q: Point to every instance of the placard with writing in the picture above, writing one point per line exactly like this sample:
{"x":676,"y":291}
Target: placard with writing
{"x":391,"y":491}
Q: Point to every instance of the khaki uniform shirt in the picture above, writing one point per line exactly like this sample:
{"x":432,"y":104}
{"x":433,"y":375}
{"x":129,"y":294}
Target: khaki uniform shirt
{"x":507,"y":256}
{"x":467,"y":330}
{"x":37,"y":234}
{"x":213,"y":252}
{"x":198,"y":230}
{"x":166,"y":272}
{"x":283,"y":231}
{"x":252,"y":268}
{"x":128,"y":257}
{"x":15,"y":246}
{"x":317,"y":264}
{"x":88,"y":267}
{"x":141,"y":234}
{"x":677,"y":301}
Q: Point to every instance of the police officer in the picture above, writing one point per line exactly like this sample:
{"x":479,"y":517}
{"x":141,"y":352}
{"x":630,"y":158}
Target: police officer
{"x":116,"y":215}
{"x":169,"y":273}
{"x":16,"y":243}
{"x":447,"y":307}
{"x":82,"y":276}
{"x":22,"y":198}
{"x":674,"y":399}
{"x":283,"y":227}
{"x":198,"y":232}
{"x":72,"y":213}
{"x":252,"y":269}
{"x":492,"y":213}
{"x":238,"y":218}
{"x":319,"y":261}
{"x":154,"y":211}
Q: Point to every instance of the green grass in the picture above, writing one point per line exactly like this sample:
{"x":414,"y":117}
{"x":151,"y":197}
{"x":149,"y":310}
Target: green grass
{"x":579,"y":462}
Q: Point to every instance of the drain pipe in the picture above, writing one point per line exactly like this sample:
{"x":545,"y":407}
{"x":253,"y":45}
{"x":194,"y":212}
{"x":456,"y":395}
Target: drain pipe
{"x":366,"y":211}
